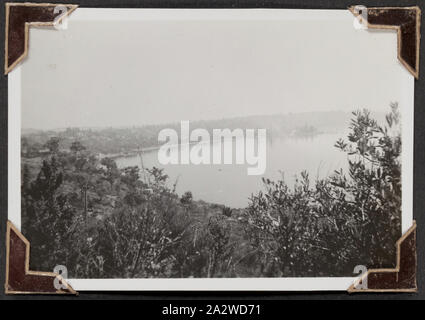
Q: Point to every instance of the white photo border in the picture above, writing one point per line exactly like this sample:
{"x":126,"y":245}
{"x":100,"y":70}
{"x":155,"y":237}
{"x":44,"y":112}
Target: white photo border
{"x":213,"y":284}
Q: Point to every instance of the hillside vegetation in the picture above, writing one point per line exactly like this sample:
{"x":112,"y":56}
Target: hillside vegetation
{"x":100,"y":221}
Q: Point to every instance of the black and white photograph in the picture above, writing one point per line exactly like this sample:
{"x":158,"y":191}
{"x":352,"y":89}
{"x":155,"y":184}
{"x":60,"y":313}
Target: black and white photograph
{"x":241,"y":144}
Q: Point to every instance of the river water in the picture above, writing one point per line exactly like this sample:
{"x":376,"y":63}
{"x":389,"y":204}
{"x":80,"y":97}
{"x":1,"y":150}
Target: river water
{"x":229,"y":184}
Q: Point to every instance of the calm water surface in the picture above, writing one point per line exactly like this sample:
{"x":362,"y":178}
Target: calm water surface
{"x":230,"y":184}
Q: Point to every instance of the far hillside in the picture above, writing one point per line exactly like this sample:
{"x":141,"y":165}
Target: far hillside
{"x":121,"y":140}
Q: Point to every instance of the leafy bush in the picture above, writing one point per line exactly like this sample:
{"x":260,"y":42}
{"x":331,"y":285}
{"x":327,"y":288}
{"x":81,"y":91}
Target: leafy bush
{"x":343,"y":220}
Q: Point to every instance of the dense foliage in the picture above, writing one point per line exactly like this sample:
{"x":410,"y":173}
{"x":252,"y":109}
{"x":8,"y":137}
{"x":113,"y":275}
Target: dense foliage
{"x":102,"y":221}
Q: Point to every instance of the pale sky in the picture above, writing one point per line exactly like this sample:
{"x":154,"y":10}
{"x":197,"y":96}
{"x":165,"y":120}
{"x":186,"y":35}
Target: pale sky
{"x":120,"y":73}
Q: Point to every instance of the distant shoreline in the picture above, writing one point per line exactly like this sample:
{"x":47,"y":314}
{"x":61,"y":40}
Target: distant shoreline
{"x":131,"y":153}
